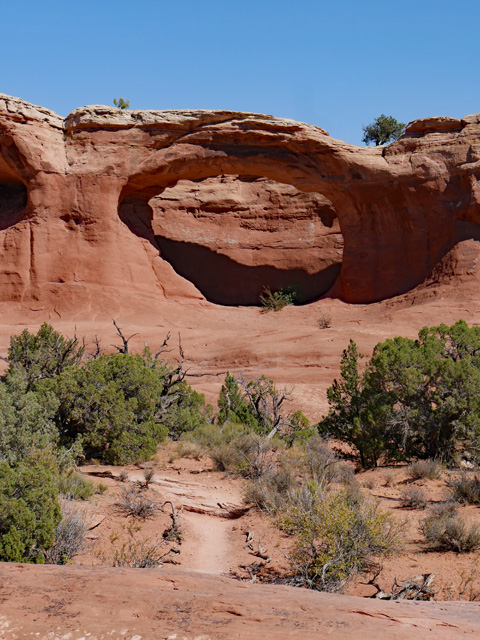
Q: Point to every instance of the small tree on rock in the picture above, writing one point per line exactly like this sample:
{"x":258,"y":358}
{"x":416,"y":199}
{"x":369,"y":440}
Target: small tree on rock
{"x":383,"y":130}
{"x":121,"y":103}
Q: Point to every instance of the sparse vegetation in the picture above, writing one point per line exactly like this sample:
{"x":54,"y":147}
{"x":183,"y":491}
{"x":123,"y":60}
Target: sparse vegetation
{"x":414,"y":498}
{"x":70,"y":535}
{"x":426,"y":469}
{"x":137,"y":553}
{"x":101,"y":488}
{"x":389,"y":478}
{"x":148,"y":475}
{"x":137,"y":503}
{"x":324,"y":321}
{"x":450,"y":533}
{"x":277,"y":300}
{"x":465,"y":488}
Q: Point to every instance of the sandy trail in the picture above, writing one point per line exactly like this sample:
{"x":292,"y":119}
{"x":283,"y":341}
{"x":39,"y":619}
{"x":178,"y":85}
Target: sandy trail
{"x":207,"y":545}
{"x":203,"y":505}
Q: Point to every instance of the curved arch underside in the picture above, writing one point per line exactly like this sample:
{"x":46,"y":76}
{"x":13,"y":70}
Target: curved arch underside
{"x":235,"y":235}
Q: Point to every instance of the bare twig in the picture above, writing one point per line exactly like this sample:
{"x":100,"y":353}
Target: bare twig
{"x":124,"y":348}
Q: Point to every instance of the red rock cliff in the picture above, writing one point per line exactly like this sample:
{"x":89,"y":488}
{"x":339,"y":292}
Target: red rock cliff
{"x":129,"y":207}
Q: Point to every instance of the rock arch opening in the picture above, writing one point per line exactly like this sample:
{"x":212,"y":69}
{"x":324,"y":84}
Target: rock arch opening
{"x":232,"y":235}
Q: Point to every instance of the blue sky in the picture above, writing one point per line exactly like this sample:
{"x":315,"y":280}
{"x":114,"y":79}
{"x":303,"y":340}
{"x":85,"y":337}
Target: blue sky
{"x":333,"y":64}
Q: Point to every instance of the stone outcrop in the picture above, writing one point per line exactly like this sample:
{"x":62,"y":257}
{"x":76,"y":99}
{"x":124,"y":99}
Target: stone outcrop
{"x":100,"y":602}
{"x":112,"y":207}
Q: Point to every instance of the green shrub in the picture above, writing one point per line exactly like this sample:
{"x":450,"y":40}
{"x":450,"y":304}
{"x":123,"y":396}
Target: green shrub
{"x":416,"y":399}
{"x":187,"y":413}
{"x":43,"y":355}
{"x":26,"y":421}
{"x":338,"y":535}
{"x":382,"y":130}
{"x":429,"y":389}
{"x":234,"y":405}
{"x":277,"y":300}
{"x":29,"y":512}
{"x":73,"y":486}
{"x":121,"y":103}
{"x":353,"y":416}
{"x":259,"y":404}
{"x":110,"y":403}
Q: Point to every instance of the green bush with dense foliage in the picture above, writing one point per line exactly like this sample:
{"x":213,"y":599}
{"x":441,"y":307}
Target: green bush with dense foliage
{"x":110,"y":402}
{"x":43,"y":355}
{"x":29,"y":511}
{"x":55,"y":406}
{"x":416,"y":399}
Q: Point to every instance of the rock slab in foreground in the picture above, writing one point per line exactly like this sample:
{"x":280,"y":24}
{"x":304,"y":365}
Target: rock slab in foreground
{"x":77,"y":602}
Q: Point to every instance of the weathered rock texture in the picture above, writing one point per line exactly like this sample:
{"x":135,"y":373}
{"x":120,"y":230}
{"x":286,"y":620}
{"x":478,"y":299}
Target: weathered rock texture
{"x":248,"y":232}
{"x":130,"y":207}
{"x":73,"y":603}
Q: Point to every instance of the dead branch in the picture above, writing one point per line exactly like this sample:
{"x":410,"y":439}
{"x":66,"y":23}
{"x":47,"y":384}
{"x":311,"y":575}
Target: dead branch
{"x":418,"y":588}
{"x":162,"y":347}
{"x":98,"y":351}
{"x":95,"y":525}
{"x":124,"y":348}
{"x":173,"y":532}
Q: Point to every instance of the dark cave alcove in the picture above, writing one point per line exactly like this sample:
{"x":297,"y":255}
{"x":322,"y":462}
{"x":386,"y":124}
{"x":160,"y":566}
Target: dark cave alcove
{"x":13,"y":200}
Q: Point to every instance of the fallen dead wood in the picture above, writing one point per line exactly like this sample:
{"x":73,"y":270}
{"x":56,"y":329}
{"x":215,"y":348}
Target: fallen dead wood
{"x":418,"y":588}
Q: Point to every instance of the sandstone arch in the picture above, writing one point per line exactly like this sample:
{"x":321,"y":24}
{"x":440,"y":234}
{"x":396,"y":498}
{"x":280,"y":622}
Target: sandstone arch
{"x":401,"y":209}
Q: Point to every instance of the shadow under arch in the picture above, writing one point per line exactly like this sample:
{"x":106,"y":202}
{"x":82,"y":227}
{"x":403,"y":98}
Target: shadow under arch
{"x":221,"y":279}
{"x":14,"y":177}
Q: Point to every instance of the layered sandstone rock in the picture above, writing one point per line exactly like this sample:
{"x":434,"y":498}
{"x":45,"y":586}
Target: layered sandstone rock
{"x":248,"y":232}
{"x":132,"y":207}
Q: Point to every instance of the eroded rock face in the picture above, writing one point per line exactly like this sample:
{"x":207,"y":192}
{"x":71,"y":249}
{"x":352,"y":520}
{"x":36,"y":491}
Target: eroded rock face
{"x":132,"y":207}
{"x":248,"y":232}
